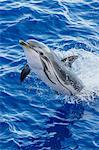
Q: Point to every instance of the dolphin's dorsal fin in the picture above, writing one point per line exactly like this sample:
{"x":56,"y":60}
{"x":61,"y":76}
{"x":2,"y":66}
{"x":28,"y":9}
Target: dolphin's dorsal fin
{"x":69,"y":60}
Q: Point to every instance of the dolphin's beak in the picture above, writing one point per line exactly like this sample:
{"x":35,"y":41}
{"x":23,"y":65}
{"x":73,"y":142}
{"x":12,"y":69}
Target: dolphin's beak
{"x":24,"y":44}
{"x":27,"y":45}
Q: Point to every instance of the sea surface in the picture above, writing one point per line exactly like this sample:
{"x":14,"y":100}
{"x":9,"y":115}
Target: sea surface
{"x":33,"y":116}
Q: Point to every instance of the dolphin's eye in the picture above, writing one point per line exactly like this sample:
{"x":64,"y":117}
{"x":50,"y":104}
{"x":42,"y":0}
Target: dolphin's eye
{"x":41,"y":53}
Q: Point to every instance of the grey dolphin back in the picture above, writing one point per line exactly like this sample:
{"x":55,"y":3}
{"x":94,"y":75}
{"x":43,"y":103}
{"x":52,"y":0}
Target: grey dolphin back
{"x":65,"y":75}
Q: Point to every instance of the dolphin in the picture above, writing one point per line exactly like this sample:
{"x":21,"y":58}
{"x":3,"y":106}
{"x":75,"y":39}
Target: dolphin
{"x":51,"y":69}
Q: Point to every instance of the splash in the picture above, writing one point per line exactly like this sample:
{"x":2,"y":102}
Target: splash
{"x":87,"y":69}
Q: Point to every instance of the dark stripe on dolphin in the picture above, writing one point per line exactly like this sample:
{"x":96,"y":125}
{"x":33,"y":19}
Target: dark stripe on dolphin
{"x":63,"y":85}
{"x":61,"y":74}
{"x":46,"y":70}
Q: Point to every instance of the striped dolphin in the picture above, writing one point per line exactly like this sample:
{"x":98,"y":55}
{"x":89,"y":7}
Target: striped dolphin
{"x":50,"y":68}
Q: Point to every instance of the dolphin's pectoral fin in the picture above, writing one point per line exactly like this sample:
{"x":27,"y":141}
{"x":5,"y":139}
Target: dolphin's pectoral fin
{"x":69,"y":60}
{"x":25,"y":72}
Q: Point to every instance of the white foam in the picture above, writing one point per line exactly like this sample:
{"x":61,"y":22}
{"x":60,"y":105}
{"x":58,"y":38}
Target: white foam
{"x":87,"y":69}
{"x":71,"y":1}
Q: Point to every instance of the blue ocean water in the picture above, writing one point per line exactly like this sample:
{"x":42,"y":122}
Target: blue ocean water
{"x":32,"y":116}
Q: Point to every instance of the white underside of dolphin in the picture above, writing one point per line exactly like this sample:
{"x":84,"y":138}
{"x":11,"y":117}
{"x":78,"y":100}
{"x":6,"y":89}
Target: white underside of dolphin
{"x":56,"y":73}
